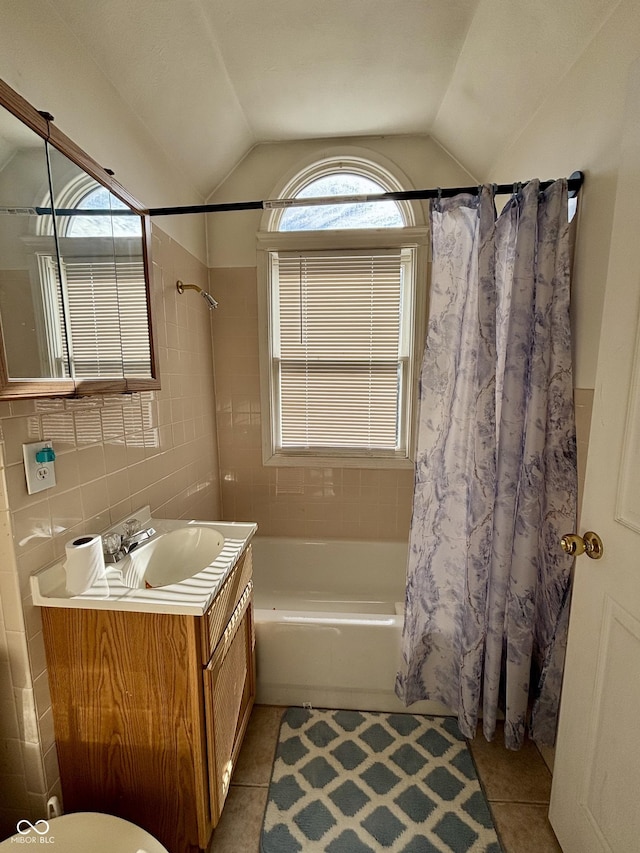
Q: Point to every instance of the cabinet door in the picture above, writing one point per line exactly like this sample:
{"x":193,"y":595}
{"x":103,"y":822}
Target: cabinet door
{"x":229,"y":686}
{"x":129,"y":719}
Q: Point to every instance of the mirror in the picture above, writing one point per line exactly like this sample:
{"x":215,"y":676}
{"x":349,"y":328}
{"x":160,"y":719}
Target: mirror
{"x":23,"y":176}
{"x":75,"y":312}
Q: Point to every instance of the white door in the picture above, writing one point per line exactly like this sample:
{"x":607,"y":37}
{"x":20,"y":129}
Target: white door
{"x":595,"y":801}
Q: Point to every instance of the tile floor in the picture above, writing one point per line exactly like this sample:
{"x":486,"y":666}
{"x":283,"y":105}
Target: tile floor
{"x":517,"y":785}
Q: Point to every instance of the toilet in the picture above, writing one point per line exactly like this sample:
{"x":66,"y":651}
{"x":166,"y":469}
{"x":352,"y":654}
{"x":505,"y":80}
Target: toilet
{"x":82,"y":831}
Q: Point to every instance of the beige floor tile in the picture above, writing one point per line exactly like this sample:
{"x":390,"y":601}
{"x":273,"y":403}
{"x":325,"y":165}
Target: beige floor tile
{"x":241,"y":822}
{"x":524,"y":828}
{"x":256,"y":756}
{"x":508,"y":776}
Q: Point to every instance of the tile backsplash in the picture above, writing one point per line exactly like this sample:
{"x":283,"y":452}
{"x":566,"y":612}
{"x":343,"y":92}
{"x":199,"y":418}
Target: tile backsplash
{"x":114,"y":454}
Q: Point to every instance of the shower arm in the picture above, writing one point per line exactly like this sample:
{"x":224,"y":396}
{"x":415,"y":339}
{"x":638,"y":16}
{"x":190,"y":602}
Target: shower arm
{"x":211,"y":302}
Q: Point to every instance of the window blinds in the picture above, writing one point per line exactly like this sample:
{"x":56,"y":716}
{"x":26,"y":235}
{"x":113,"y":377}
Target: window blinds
{"x":108,"y":318}
{"x":338,"y":349}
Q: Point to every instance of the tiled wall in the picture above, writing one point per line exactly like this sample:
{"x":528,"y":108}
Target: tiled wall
{"x":330,"y":502}
{"x":350,"y":503}
{"x":114,"y":455}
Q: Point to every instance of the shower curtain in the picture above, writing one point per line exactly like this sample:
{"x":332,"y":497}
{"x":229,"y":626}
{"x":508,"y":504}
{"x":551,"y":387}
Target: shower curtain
{"x":495,"y":477}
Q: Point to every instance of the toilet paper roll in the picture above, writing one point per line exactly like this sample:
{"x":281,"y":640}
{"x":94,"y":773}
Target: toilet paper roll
{"x":84,"y":562}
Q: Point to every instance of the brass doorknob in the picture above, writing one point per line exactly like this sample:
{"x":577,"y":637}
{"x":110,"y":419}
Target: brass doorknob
{"x":590,"y":544}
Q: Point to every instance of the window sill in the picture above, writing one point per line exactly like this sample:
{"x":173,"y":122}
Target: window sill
{"x":336,"y":460}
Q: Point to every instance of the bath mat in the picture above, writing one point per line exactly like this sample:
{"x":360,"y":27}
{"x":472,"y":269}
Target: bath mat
{"x":364,"y":782}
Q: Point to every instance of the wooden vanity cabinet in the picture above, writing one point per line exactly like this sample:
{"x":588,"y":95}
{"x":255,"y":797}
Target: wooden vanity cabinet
{"x":150,"y":710}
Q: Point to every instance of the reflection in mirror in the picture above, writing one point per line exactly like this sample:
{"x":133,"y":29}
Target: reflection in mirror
{"x":103,"y":290}
{"x":34,"y":347}
{"x":75,"y":313}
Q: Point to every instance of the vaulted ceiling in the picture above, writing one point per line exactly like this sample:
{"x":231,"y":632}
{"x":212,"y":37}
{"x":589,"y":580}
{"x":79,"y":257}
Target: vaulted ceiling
{"x":212,"y":78}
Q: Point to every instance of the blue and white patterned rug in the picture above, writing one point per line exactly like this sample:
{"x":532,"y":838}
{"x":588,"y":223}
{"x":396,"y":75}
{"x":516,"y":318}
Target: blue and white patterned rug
{"x":361,"y":782}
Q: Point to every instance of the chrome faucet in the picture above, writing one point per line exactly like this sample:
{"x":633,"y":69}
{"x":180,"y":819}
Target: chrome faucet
{"x":117,"y":546}
{"x":131,"y":542}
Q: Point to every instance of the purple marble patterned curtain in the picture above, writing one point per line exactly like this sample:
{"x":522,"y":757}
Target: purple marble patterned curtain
{"x":495,"y":477}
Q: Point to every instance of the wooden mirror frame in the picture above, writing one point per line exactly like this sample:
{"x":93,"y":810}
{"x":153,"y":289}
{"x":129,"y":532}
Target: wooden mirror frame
{"x":15,"y":389}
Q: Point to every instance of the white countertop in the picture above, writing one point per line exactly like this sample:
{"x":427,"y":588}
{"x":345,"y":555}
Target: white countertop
{"x":193,"y":596}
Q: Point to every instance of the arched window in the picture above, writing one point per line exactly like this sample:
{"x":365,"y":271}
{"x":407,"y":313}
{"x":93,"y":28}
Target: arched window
{"x":342,"y":304}
{"x":372,"y":214}
{"x":119,"y":224}
{"x":83,"y":194}
{"x":344,"y":176}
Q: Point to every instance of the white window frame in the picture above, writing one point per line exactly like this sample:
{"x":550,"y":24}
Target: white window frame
{"x":415,"y":238}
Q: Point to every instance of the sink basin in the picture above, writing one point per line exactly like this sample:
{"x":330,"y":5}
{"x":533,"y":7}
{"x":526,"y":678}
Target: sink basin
{"x":180,"y":570}
{"x":172,"y":557}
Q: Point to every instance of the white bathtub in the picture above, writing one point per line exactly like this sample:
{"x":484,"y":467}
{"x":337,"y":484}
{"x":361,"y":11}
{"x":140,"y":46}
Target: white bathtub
{"x":327,"y":625}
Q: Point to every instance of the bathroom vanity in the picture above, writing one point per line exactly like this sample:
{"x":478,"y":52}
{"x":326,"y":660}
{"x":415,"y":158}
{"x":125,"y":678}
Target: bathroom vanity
{"x":150,"y":706}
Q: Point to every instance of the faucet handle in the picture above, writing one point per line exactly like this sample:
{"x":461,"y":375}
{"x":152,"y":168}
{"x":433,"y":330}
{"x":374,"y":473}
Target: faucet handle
{"x":111,"y":543}
{"x":132,"y":526}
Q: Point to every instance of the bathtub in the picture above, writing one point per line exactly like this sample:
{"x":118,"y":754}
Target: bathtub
{"x":328,"y":623}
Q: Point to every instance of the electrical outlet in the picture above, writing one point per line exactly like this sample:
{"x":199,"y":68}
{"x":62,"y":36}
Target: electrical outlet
{"x":39,"y":472}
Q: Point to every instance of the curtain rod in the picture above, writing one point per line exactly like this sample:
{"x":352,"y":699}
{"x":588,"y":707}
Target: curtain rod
{"x":574,"y":183}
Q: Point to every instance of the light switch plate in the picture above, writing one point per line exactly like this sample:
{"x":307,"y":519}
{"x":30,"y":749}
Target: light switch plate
{"x":40,"y":475}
